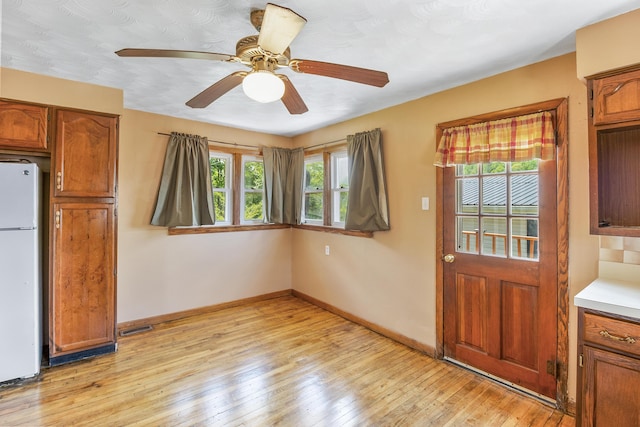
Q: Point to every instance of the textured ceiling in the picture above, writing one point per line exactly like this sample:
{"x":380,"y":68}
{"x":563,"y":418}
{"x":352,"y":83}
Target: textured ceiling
{"x":425,"y":46}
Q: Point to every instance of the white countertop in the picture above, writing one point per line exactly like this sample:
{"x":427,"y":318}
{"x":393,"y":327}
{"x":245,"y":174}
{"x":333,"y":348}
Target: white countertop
{"x":611,"y":296}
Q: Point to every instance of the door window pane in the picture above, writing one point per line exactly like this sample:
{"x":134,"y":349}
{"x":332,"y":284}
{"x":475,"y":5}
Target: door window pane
{"x":467,"y":235}
{"x":493,"y":168}
{"x":466,"y":170}
{"x":494,"y":236}
{"x":467,"y":195}
{"x":524,"y":194}
{"x":524,"y":238}
{"x":494,"y":195}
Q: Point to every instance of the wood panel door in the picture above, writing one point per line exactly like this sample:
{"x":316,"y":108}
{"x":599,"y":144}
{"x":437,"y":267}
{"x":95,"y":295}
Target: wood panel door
{"x":500,"y":275}
{"x":85,"y":155}
{"x":83,"y":266}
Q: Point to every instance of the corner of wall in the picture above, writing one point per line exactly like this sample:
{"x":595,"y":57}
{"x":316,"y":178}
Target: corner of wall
{"x":607,"y":45}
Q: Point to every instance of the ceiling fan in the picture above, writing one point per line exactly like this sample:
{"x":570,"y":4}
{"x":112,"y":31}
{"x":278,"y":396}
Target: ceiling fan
{"x":264,"y":54}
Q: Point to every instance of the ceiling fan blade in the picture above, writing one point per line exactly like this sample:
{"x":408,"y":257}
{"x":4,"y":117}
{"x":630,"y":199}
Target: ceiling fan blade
{"x":337,"y":71}
{"x":216,"y":90}
{"x":280,"y":26}
{"x":166,"y":53}
{"x":291,"y":98}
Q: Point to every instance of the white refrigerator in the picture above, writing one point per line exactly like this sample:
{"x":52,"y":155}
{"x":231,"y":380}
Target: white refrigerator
{"x":20,"y":271}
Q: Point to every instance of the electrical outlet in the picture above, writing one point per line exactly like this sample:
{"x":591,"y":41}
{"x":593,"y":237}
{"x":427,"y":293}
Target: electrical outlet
{"x":327,"y":250}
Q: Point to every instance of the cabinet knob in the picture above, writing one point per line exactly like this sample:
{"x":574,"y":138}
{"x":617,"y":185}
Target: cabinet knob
{"x":57,"y":219}
{"x":59,"y":181}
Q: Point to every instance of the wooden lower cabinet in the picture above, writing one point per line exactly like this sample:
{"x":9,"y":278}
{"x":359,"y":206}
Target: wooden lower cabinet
{"x":82,"y":301}
{"x":609,"y":384}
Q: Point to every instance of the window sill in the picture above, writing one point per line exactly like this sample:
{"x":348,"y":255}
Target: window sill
{"x":175,"y":231}
{"x":334,"y":230}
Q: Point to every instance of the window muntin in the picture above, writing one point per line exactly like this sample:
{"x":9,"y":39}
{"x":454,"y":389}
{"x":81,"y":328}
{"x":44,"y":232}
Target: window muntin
{"x":252,"y":197}
{"x":497,"y":209}
{"x":313,"y":203}
{"x":221,"y":165}
{"x":339,"y":187}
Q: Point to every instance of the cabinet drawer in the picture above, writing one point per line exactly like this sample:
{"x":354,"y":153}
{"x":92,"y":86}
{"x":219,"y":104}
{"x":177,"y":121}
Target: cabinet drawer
{"x":613,"y":333}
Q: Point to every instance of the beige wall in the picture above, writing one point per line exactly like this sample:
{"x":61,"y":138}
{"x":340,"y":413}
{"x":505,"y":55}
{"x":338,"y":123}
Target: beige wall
{"x":390,"y":279}
{"x":41,"y":89}
{"x":158,"y":273}
{"x":609,"y":44}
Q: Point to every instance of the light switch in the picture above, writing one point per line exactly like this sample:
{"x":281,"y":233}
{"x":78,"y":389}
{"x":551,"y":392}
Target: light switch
{"x":425,"y":203}
{"x":327,"y":250}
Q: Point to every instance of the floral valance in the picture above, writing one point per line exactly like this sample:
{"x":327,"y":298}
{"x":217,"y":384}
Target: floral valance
{"x":507,"y":140}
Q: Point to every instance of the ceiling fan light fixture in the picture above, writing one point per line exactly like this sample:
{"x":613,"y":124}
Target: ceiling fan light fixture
{"x":263,"y":86}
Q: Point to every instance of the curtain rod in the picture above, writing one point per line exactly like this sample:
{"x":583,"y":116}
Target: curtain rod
{"x":325,"y":143}
{"x":235,"y":144}
{"x":253,"y":146}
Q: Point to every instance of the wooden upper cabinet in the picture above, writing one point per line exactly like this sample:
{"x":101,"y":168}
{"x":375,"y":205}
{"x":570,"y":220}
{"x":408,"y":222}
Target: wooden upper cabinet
{"x":23,"y":126}
{"x":614,"y":153}
{"x":85,"y":155}
{"x":616,"y":98}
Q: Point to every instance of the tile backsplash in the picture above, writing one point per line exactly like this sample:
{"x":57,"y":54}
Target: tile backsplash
{"x":624,"y":250}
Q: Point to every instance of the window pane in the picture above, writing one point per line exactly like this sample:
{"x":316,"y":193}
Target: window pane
{"x":253,"y":175}
{"x":464,"y":170}
{"x":494,"y":167}
{"x":467,"y":235}
{"x":494,"y":236}
{"x":218,"y":172}
{"x":340,"y":201}
{"x":524,"y":194}
{"x":253,"y":206}
{"x":314,"y":175}
{"x":529,"y":165}
{"x":313,"y":209}
{"x":468,"y":195}
{"x":342,"y":172}
{"x":220,"y":204}
{"x":524,"y":238}
{"x":494,"y":195}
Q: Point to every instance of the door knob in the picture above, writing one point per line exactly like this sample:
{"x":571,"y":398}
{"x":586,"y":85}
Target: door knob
{"x":449,"y":258}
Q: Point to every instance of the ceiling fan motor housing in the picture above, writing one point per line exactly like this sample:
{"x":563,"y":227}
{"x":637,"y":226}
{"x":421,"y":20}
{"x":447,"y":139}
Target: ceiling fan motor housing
{"x":248,"y":51}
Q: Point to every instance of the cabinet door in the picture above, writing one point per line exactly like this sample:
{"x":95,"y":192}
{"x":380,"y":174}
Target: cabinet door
{"x":83,"y":277}
{"x":23,"y":126}
{"x":85,"y":155}
{"x":617,"y":98}
{"x":611,"y":396}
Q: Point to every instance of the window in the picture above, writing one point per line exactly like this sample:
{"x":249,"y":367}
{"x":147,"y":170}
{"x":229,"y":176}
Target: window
{"x":252,"y":190}
{"x":221,"y":171}
{"x":326,"y":188}
{"x":238,"y":187}
{"x":313,"y":206}
{"x":339,"y":187}
{"x":497,"y":212}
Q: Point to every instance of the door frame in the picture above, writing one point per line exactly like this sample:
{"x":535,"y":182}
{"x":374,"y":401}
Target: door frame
{"x":559,"y":108}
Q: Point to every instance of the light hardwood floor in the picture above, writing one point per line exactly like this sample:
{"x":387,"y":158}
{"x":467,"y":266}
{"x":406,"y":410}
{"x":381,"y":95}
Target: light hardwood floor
{"x":277,"y":362}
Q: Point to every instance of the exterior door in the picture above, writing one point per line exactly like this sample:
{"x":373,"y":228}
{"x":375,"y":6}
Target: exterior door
{"x":500,"y":278}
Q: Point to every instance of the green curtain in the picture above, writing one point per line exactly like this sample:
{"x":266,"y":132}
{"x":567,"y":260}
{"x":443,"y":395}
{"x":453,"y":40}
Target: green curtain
{"x":283,"y":184}
{"x":185,"y":196}
{"x":368,"y":205}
